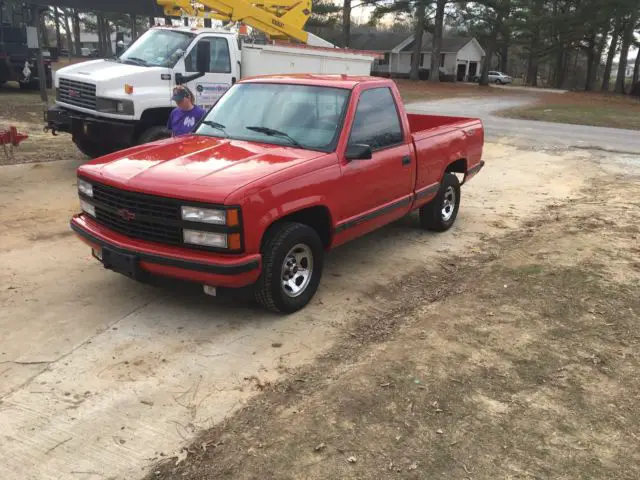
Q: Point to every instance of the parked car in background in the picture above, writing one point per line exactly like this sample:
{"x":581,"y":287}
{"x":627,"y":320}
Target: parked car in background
{"x":496,"y":77}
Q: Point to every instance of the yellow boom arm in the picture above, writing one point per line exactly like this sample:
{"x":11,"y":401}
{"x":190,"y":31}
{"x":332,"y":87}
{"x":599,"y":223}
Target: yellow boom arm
{"x":281,"y":19}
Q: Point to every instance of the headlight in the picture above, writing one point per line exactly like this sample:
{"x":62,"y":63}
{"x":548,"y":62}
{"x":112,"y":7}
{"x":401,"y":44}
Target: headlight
{"x":85,"y":187}
{"x":87,"y":208}
{"x":207,"y":239}
{"x":204,"y":215}
{"x":107,"y":105}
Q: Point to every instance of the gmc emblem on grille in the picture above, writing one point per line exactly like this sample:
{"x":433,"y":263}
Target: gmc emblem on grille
{"x":74,"y":93}
{"x":126,"y":214}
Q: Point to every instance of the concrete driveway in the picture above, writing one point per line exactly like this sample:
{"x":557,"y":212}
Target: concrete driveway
{"x":531,"y":133}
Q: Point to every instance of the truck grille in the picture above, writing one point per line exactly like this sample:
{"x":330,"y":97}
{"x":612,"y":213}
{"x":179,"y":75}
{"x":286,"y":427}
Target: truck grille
{"x":79,"y":94}
{"x":137,"y":215}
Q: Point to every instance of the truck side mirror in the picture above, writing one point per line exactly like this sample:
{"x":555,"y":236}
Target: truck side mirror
{"x":203,"y":56}
{"x":359,"y":151}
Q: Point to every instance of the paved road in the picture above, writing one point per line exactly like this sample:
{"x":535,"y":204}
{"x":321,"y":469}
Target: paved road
{"x":531,"y":133}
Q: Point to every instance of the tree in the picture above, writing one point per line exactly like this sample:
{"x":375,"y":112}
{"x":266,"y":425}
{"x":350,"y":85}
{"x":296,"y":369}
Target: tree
{"x":613,"y":48}
{"x":436,"y":47}
{"x":76,"y":32}
{"x":421,"y":6}
{"x":346,"y":23}
{"x":627,"y":40}
{"x":56,"y":19}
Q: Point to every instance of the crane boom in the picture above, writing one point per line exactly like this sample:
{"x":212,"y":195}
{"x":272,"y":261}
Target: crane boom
{"x":279,"y":19}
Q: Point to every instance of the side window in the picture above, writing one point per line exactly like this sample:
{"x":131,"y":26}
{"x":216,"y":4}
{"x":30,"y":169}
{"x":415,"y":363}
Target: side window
{"x":376,"y":122}
{"x":220,"y":59}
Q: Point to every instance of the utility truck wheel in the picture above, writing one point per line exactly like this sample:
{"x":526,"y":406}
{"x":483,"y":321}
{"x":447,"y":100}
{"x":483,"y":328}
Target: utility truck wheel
{"x":440,"y":213}
{"x":152,"y":134}
{"x":89,"y":148}
{"x":292,"y":260}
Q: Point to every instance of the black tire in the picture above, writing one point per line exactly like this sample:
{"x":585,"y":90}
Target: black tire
{"x":152,"y":134}
{"x":498,"y":82}
{"x":432,"y":215}
{"x":90,"y":148}
{"x":280,"y":241}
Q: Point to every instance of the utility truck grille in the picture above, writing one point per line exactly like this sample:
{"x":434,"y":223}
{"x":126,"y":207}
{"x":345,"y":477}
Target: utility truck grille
{"x":79,"y":94}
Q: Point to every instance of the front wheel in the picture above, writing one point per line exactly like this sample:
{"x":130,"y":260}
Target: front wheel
{"x":440,"y":213}
{"x":292,"y":257}
{"x":90,"y":148}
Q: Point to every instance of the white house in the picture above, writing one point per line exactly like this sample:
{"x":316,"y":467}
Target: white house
{"x":460,"y":57}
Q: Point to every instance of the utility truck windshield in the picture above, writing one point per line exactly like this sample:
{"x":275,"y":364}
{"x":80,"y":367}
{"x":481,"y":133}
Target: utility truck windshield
{"x":298,"y":115}
{"x":158,"y":48}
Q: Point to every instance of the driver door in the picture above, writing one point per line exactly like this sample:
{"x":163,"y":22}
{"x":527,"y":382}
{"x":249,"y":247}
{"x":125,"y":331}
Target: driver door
{"x":222,"y":72}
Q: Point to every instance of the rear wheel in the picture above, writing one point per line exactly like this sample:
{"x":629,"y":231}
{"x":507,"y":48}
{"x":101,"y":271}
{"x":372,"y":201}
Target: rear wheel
{"x":292,"y":257}
{"x":498,"y":82}
{"x":440,"y":213}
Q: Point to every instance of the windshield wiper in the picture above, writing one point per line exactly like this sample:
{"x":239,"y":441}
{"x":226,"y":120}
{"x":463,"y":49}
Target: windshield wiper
{"x":217,"y":126}
{"x":137,"y":61}
{"x":275,"y":133}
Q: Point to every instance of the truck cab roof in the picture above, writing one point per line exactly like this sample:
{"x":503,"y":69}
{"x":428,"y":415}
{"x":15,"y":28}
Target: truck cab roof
{"x":348,"y":82}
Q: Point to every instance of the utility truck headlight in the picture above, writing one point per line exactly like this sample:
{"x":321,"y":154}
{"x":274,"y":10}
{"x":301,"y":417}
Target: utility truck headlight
{"x":85,"y":188}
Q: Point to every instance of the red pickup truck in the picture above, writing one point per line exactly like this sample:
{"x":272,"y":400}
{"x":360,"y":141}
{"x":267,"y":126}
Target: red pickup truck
{"x":282,"y":169}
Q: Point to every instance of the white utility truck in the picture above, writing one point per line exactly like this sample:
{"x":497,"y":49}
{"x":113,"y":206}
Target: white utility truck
{"x":111,"y":104}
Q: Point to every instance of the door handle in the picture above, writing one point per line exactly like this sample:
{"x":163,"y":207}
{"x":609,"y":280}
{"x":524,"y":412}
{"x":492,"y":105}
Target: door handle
{"x":406,"y":160}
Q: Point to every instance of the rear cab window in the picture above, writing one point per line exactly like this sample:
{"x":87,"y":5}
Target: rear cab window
{"x":377,"y":121}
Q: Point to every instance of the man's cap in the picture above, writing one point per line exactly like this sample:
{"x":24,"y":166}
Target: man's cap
{"x":180,"y":94}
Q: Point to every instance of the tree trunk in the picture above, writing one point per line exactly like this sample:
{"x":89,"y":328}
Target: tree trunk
{"x":134,"y":28}
{"x":346,"y":23}
{"x":591,"y":60}
{"x":627,"y":40}
{"x":107,"y":37}
{"x":636,"y":70}
{"x":561,"y":68}
{"x":612,"y":53}
{"x":76,"y":33}
{"x":504,"y":58}
{"x":602,"y":43}
{"x":436,"y":46}
{"x":67,"y":27}
{"x":491,"y":47}
{"x":534,"y":45}
{"x":56,"y":19}
{"x":421,"y":6}
{"x":43,"y":28}
{"x":152,"y":22}
{"x":99,"y":24}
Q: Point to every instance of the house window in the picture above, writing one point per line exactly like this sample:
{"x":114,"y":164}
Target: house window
{"x":442,"y":60}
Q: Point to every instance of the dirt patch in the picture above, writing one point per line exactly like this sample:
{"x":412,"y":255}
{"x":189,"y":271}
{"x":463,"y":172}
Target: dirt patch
{"x":595,"y":109}
{"x":25,"y":111}
{"x":519,"y":362}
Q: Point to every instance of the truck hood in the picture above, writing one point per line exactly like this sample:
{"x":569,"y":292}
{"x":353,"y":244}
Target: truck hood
{"x":105,"y":71}
{"x":194,"y":167}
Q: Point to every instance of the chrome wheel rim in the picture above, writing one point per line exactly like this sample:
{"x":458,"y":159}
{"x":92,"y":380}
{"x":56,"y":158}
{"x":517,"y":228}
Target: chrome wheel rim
{"x":448,"y":204}
{"x":297,"y":270}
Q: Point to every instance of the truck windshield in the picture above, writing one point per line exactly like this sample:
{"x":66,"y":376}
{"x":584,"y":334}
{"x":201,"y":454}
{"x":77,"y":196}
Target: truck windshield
{"x":300,"y":115}
{"x":158,"y":48}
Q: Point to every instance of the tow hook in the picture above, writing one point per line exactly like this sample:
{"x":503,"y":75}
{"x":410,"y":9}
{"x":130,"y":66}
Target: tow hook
{"x":53,"y":130}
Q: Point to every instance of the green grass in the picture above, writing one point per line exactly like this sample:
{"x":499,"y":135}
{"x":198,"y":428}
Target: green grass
{"x":615,"y":115}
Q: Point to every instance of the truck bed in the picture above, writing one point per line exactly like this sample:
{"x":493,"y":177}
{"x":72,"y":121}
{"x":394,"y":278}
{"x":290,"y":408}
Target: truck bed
{"x":426,"y":125}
